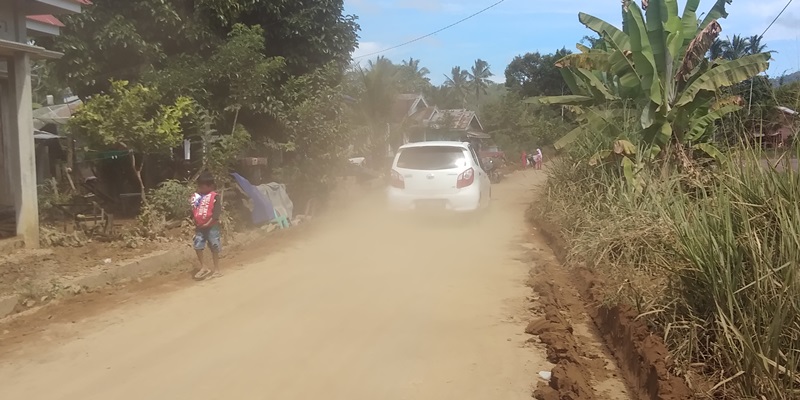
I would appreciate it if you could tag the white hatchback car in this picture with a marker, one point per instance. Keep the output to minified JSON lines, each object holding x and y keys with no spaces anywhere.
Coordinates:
{"x":444,"y":176}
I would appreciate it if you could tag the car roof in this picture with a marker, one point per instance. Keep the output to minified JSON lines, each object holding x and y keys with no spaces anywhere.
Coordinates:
{"x":452,"y":143}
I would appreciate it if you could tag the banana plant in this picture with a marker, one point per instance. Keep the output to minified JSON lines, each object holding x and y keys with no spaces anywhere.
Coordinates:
{"x":657,"y":62}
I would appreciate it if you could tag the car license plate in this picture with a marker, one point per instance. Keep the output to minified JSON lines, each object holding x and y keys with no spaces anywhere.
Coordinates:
{"x":430,"y":204}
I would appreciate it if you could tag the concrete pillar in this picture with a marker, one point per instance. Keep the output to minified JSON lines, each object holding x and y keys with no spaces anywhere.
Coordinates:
{"x":6,"y":196}
{"x":21,"y":151}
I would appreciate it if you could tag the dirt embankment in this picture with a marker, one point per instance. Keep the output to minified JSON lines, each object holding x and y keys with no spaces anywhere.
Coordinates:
{"x":569,"y":295}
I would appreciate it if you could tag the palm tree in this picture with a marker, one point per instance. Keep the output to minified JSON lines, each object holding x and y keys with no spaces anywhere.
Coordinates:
{"x":378,"y":89}
{"x":413,"y":67}
{"x":754,"y":45}
{"x":414,"y":78}
{"x":736,"y":48}
{"x":378,"y":83}
{"x":458,"y":82}
{"x":717,"y":49}
{"x":479,"y":77}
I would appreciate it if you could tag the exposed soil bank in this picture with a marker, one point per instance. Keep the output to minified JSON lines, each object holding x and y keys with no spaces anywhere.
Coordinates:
{"x":642,"y":357}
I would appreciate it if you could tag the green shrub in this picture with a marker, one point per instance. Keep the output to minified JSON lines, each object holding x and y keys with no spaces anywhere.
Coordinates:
{"x":171,"y":199}
{"x":712,"y":269}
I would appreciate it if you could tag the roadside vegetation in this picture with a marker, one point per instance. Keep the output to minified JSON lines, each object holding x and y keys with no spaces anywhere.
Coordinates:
{"x":663,"y":190}
{"x":660,"y":186}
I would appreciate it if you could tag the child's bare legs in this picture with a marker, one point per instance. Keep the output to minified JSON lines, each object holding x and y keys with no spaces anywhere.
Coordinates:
{"x":215,"y":245}
{"x":199,"y":244}
{"x":215,"y":257}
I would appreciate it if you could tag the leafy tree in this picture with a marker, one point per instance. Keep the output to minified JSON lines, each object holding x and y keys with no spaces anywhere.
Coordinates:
{"x":458,"y":84}
{"x":516,"y":126}
{"x":132,"y":118}
{"x":207,"y":49}
{"x":658,"y":63}
{"x":479,"y":76}
{"x":535,"y":74}
{"x":374,"y":88}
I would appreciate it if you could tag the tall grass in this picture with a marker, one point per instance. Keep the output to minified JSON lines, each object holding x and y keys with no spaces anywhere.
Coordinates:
{"x":714,"y":269}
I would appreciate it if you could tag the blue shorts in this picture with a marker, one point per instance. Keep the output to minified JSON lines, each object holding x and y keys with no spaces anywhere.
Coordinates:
{"x":211,"y":236}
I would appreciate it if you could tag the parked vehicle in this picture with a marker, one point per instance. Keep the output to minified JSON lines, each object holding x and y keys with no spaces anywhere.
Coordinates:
{"x":445,"y":176}
{"x":492,"y":167}
{"x":492,"y":152}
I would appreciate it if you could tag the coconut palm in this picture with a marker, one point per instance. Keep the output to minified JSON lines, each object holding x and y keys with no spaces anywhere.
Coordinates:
{"x":458,"y":83}
{"x":412,"y":77}
{"x":717,"y":49}
{"x":479,"y":77}
{"x":736,"y":48}
{"x":413,"y":67}
{"x":754,"y":45}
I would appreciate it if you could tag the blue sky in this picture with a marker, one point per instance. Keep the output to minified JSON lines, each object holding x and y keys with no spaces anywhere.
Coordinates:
{"x":519,"y":26}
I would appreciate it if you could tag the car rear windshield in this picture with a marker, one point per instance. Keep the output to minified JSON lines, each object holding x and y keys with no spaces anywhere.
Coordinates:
{"x":431,"y":158}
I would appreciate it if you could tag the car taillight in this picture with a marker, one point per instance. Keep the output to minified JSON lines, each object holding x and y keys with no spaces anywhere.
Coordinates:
{"x":465,"y":178}
{"x":397,"y":180}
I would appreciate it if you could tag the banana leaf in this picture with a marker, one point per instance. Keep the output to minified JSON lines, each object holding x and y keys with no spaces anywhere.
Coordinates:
{"x":598,"y":88}
{"x":643,"y":54}
{"x":569,"y":138}
{"x":593,"y":59}
{"x":602,"y":27}
{"x":717,"y":12}
{"x":560,"y":100}
{"x":711,"y":150}
{"x":699,"y":126}
{"x":726,"y":74}
{"x":689,"y":21}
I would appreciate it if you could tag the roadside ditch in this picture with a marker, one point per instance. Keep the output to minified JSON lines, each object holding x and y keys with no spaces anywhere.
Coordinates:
{"x":572,"y":314}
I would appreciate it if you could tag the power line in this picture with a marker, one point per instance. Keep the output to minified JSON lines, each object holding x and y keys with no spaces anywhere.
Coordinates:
{"x":432,"y":33}
{"x":776,"y":18}
{"x":750,"y":102}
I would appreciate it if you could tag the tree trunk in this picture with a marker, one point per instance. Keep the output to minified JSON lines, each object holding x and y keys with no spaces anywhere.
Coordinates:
{"x":137,"y":171}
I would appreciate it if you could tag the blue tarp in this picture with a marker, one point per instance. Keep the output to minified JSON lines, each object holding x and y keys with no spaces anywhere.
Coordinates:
{"x":262,"y":211}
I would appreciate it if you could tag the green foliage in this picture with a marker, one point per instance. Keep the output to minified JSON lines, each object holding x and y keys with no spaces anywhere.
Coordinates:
{"x":657,"y":64}
{"x":226,"y":55}
{"x":130,"y":117}
{"x":516,"y":126}
{"x":235,"y":76}
{"x":535,"y":74}
{"x":133,"y":118}
{"x":49,"y":195}
{"x":171,"y":199}
{"x":478,"y":77}
{"x":413,"y":78}
{"x":458,"y":84}
{"x":709,"y":270}
{"x":317,"y":137}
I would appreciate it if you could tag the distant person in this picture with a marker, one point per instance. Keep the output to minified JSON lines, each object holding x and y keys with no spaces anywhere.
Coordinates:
{"x":524,"y":160}
{"x":206,"y":212}
{"x":538,"y":158}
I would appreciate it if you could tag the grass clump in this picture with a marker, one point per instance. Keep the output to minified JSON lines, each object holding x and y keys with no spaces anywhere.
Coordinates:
{"x":712,"y":268}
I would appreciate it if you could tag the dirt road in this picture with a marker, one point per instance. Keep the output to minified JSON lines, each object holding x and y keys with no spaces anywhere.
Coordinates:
{"x":365,"y":308}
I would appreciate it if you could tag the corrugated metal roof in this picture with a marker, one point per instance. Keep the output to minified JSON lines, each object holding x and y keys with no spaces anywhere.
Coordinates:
{"x":404,"y":105}
{"x":47,"y":19}
{"x":460,"y":119}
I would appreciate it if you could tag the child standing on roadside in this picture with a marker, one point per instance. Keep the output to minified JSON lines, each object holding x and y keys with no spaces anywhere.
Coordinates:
{"x":206,"y":211}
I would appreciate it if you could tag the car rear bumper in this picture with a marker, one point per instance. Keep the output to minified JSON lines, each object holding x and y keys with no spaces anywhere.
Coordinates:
{"x":466,"y":200}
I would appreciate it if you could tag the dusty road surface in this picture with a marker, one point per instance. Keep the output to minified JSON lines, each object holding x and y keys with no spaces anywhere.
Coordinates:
{"x":366,"y":307}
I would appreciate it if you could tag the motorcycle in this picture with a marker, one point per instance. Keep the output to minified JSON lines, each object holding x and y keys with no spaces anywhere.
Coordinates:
{"x":493,"y":170}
